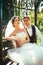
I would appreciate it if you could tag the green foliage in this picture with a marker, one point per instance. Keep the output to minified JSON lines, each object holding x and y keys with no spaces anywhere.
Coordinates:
{"x":32,"y":17}
{"x":40,"y":21}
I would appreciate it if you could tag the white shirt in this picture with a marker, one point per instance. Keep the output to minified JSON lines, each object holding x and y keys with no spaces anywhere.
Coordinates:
{"x":38,"y":33}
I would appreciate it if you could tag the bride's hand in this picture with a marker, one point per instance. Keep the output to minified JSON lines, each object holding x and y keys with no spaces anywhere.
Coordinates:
{"x":18,"y":43}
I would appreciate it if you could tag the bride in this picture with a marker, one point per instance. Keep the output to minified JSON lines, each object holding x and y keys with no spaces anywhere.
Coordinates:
{"x":25,"y":53}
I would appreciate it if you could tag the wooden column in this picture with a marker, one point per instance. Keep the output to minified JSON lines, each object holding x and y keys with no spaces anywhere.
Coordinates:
{"x":35,"y":13}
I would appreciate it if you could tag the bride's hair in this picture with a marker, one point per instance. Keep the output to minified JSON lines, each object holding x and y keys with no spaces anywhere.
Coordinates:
{"x":13,"y":18}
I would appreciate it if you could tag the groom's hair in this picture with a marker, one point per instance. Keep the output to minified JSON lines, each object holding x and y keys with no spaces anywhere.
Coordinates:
{"x":26,"y":17}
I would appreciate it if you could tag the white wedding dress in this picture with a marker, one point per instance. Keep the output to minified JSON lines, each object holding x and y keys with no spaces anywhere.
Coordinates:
{"x":28,"y":54}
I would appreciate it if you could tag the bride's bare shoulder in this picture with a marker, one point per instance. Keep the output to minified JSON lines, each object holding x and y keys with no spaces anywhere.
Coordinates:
{"x":23,"y":30}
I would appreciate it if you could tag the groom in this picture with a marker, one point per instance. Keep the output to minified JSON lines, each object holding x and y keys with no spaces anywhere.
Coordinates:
{"x":32,"y":30}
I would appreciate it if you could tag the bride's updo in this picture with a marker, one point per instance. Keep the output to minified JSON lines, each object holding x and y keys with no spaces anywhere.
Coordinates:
{"x":13,"y":19}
